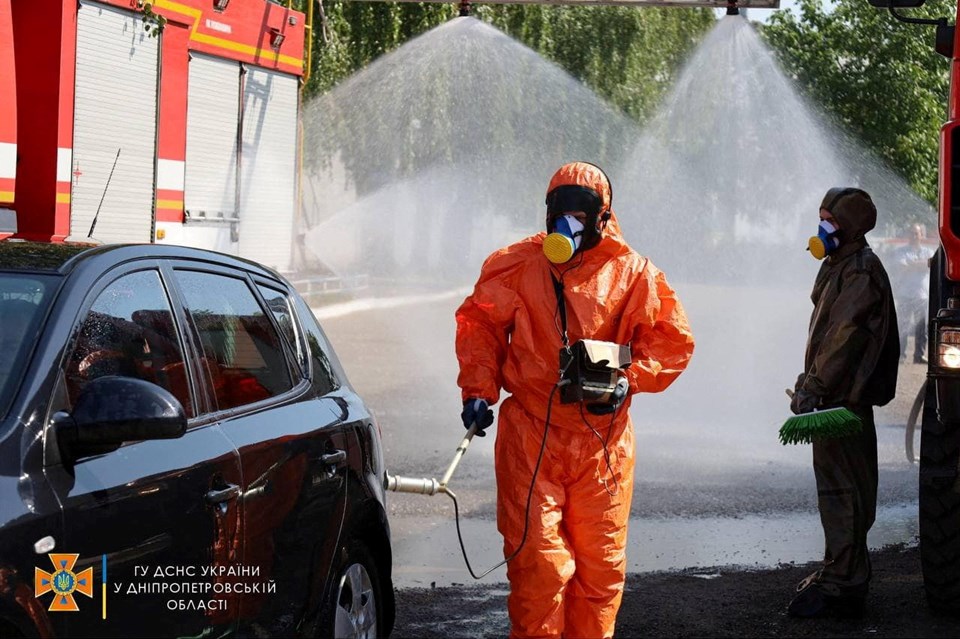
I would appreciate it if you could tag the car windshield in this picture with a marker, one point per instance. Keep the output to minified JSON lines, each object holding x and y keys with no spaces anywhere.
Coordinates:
{"x":23,"y":299}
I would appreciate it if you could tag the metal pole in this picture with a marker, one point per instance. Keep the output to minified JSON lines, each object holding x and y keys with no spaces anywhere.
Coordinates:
{"x":431,"y":486}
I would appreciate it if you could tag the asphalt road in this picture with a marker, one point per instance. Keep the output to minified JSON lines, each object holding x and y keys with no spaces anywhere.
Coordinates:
{"x":719,"y":602}
{"x":713,"y":485}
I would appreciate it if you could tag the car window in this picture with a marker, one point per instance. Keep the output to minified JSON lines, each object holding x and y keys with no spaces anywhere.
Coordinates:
{"x":130,"y":331}
{"x":23,"y":299}
{"x":279,"y":304}
{"x":320,"y":351}
{"x":242,"y":350}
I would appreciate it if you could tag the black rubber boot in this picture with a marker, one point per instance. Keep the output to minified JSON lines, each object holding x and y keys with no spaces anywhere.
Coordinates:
{"x":812,"y":602}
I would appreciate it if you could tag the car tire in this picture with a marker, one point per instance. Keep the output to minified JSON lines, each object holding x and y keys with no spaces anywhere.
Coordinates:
{"x":939,"y":510}
{"x":354,"y":605}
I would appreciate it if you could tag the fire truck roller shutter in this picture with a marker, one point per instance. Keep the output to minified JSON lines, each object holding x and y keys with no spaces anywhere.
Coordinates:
{"x":213,"y":118}
{"x":268,"y":164}
{"x":115,"y":108}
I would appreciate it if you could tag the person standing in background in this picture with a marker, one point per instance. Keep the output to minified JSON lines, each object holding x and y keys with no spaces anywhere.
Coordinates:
{"x":913,"y":289}
{"x":850,"y":361}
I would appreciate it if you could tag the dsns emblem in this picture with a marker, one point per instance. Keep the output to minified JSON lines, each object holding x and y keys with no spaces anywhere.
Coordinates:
{"x":63,"y":582}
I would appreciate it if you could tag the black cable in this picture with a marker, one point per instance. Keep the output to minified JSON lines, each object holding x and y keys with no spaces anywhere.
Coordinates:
{"x":604,"y":441}
{"x":533,"y":480}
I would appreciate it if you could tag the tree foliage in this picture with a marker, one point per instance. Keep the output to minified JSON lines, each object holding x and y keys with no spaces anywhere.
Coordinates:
{"x":627,"y":55}
{"x":880,"y":79}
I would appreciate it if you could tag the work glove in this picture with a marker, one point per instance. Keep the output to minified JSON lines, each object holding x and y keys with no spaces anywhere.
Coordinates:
{"x":804,"y":401}
{"x":617,"y":397}
{"x":476,"y":411}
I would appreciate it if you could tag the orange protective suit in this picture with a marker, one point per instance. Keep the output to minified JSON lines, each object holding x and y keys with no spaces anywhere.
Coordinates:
{"x":568,"y":578}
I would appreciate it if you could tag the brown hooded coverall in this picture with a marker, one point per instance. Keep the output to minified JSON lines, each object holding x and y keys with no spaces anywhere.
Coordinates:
{"x":851,"y":360}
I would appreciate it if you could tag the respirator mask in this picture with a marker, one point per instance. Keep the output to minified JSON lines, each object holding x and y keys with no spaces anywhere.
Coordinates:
{"x":825,"y":241}
{"x":566,"y":234}
{"x":564,"y":239}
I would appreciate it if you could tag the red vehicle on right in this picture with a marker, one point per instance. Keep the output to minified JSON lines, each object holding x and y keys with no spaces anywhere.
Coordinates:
{"x":940,"y":436}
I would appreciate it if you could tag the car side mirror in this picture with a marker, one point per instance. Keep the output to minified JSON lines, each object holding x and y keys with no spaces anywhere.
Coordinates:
{"x":113,"y":410}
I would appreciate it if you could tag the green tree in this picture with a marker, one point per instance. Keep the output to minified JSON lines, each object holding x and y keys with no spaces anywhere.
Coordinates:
{"x":630,"y":56}
{"x":627,"y":55}
{"x":348,"y":35}
{"x":878,"y":78}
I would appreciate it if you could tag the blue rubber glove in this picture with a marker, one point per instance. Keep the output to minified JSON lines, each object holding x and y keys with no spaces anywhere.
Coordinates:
{"x":617,"y":397}
{"x":476,"y":411}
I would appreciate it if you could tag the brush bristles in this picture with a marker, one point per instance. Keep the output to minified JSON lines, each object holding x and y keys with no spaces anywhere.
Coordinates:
{"x":824,"y":424}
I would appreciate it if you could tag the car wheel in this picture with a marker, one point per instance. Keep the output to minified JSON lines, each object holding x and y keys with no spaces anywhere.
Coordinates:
{"x":354,"y":607}
{"x":939,"y":510}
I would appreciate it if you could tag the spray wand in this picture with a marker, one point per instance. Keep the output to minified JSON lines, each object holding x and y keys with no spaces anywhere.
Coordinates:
{"x":431,"y":486}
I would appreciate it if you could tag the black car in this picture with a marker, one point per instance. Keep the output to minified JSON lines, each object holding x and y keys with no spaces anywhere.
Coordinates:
{"x":181,"y":453}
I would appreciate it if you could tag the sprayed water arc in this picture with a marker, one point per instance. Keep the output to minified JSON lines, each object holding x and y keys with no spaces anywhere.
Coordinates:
{"x":721,"y":190}
{"x":436,"y":154}
{"x":414,"y":183}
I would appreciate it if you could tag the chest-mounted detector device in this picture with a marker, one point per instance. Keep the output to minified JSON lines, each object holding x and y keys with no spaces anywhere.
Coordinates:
{"x":590,"y":369}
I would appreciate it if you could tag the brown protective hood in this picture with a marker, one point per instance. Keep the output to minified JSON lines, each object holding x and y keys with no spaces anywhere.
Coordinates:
{"x":853,"y":209}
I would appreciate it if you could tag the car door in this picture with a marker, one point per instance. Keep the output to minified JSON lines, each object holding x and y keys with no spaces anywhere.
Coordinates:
{"x":293,"y":446}
{"x":157,"y":521}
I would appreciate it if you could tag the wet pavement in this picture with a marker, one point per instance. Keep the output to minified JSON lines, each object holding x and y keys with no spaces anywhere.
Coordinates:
{"x":719,"y":490}
{"x":427,"y":553}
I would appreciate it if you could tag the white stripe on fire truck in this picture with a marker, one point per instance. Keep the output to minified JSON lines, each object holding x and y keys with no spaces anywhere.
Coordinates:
{"x":8,"y":160}
{"x":64,"y":164}
{"x":170,"y":175}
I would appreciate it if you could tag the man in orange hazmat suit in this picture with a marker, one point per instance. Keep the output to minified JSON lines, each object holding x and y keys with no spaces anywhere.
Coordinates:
{"x":573,"y":462}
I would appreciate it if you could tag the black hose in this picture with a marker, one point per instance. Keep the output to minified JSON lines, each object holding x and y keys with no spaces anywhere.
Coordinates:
{"x":526,"y":516}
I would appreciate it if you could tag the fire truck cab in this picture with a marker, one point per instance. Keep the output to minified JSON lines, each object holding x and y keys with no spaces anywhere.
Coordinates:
{"x":165,"y":121}
{"x":940,"y":437}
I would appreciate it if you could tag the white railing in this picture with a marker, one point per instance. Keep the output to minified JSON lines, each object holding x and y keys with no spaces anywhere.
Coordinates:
{"x":312,"y":287}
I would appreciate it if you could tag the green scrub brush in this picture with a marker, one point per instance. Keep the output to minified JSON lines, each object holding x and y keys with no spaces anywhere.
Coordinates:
{"x":821,"y":424}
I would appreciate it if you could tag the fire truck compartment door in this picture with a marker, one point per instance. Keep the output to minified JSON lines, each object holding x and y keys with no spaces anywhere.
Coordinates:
{"x":213,"y":118}
{"x":268,"y":162}
{"x":115,"y":109}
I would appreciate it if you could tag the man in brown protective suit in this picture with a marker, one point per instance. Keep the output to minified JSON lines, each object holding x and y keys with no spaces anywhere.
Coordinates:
{"x":851,"y":360}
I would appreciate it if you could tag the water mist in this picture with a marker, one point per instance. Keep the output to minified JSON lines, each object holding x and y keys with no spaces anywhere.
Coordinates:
{"x":438,"y":153}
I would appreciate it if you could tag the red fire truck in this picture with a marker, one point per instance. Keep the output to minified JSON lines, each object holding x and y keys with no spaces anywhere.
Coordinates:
{"x":940,"y":436}
{"x":151,"y":120}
